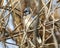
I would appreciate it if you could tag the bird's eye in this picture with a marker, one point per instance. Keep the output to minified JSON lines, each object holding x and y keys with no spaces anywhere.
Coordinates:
{"x":25,"y":11}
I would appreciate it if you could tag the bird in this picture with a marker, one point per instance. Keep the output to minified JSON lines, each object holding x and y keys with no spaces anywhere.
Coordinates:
{"x":29,"y":23}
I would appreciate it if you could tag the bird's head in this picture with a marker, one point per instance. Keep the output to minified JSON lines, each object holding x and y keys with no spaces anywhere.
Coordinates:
{"x":26,"y":11}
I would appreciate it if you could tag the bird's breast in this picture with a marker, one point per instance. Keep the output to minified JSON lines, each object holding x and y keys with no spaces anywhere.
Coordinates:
{"x":28,"y":21}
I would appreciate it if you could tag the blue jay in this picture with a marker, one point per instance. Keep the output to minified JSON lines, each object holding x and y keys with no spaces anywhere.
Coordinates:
{"x":28,"y":18}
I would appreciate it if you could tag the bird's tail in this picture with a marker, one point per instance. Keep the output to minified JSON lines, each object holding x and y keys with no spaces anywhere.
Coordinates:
{"x":39,"y":40}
